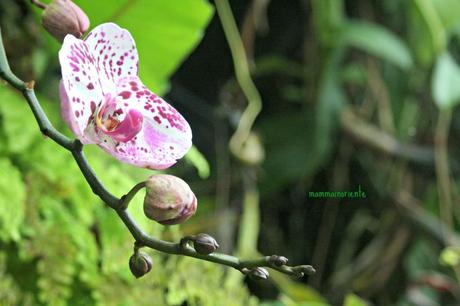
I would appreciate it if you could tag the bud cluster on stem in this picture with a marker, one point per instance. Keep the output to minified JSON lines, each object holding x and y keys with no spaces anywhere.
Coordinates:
{"x":169,"y":200}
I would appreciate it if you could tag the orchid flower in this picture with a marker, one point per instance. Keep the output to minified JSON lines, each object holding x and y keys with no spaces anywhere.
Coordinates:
{"x":105,"y":103}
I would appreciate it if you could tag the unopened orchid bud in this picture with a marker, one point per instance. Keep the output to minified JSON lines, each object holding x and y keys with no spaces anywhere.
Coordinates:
{"x":140,"y":264}
{"x":278,"y":260}
{"x":258,"y":274}
{"x":169,"y":200}
{"x":306,"y":269}
{"x":62,"y":17}
{"x":205,"y":244}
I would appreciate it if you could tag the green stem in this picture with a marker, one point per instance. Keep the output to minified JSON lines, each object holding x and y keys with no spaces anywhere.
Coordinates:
{"x":243,"y":76}
{"x":126,"y":199}
{"x":442,"y":166}
{"x":141,"y":238}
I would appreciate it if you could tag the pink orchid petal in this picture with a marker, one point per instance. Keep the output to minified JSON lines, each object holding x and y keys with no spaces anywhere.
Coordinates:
{"x":115,"y":52}
{"x":165,"y":136}
{"x":117,"y":121}
{"x":128,"y":128}
{"x":104,"y":102}
{"x":81,"y":90}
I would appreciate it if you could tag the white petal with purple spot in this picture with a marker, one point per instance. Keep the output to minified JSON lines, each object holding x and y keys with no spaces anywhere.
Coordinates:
{"x":104,"y":102}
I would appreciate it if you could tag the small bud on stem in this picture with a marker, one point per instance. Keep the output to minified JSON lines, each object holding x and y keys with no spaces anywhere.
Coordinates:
{"x":304,"y":269}
{"x":140,"y":264}
{"x":169,"y":200}
{"x":258,"y":274}
{"x":204,"y":244}
{"x":278,"y":260}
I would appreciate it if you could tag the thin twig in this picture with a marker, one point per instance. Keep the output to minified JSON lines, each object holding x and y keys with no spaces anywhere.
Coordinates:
{"x":442,"y":167}
{"x":381,"y":140}
{"x":443,"y":178}
{"x":119,"y":205}
{"x":411,"y":209}
{"x":380,"y":92}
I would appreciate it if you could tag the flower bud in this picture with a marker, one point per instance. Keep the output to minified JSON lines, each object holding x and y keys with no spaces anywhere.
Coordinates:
{"x":169,"y":200}
{"x":205,"y":244}
{"x":278,"y":260}
{"x":140,"y":264}
{"x":306,"y":269}
{"x":62,"y":17}
{"x":258,"y":274}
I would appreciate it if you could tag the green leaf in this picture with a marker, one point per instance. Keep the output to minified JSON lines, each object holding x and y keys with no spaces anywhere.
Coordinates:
{"x":434,"y":23}
{"x":445,"y":82}
{"x":12,"y":201}
{"x":328,"y":16}
{"x":199,"y":162}
{"x":377,"y":41}
{"x":354,"y":300}
{"x":419,"y":38}
{"x":164,"y":31}
{"x":449,"y":12}
{"x":422,"y":256}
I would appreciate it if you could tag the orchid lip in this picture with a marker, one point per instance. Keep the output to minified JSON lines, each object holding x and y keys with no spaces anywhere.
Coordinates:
{"x":116,"y":122}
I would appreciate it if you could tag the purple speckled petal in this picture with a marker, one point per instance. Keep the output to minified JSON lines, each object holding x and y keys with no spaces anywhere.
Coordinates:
{"x":115,"y":52}
{"x":165,"y":136}
{"x":104,"y":102}
{"x":80,"y":90}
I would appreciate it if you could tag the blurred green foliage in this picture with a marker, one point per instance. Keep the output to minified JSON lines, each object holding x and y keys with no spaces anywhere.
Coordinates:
{"x":353,"y":94}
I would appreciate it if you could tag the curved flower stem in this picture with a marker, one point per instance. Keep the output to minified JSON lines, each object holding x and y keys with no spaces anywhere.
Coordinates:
{"x":120,"y":205}
{"x":243,"y":76}
{"x":124,"y":201}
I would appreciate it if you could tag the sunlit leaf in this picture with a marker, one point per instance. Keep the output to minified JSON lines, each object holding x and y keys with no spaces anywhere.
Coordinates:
{"x":445,"y":82}
{"x":164,"y":31}
{"x":449,"y":12}
{"x":434,"y":23}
